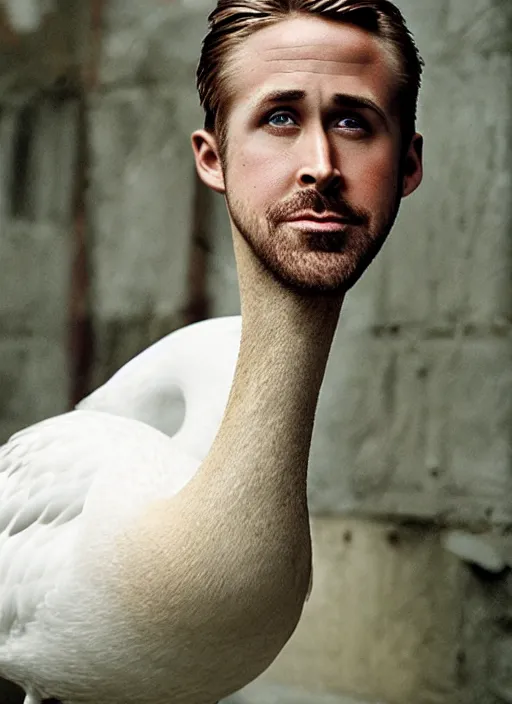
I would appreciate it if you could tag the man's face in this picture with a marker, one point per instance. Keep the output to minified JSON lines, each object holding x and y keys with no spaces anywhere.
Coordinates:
{"x":312,"y":174}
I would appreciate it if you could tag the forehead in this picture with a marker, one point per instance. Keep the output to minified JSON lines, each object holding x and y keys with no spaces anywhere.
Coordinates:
{"x":315,"y":54}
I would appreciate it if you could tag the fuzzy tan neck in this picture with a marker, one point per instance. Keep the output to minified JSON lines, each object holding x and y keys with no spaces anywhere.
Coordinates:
{"x":286,"y":338}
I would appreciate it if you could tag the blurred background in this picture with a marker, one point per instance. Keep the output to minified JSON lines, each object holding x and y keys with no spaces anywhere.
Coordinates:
{"x":108,"y":242}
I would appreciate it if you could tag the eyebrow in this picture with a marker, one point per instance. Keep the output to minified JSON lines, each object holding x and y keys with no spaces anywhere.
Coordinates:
{"x":340,"y":99}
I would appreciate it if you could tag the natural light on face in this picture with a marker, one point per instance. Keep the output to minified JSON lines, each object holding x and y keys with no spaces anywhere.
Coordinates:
{"x":312,"y":128}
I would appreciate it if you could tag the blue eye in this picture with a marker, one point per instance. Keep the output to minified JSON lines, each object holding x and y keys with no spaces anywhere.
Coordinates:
{"x":280,"y":119}
{"x":353,"y":123}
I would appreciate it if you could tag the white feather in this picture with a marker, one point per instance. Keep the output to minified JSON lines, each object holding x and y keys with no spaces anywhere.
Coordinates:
{"x":68,"y":486}
{"x":192,"y":367}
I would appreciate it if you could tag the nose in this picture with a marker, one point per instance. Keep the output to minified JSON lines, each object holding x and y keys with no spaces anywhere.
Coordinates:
{"x":318,"y":168}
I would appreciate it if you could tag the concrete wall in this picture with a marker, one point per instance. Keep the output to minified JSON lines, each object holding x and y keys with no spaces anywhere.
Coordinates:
{"x":412,"y":439}
{"x":143,"y":185}
{"x":39,"y":118}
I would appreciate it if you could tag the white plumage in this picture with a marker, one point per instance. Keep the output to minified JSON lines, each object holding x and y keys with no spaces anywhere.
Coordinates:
{"x":179,"y":385}
{"x":69,"y":486}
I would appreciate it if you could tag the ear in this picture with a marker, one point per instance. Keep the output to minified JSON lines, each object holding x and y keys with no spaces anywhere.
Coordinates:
{"x":413,"y":166}
{"x":207,"y":158}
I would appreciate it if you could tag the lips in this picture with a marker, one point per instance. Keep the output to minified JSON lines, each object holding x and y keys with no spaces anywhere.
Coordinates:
{"x":324,"y":218}
{"x":313,"y":222}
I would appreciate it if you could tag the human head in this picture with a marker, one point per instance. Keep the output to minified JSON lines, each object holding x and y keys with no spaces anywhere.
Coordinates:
{"x":314,"y":130}
{"x":233,"y":21}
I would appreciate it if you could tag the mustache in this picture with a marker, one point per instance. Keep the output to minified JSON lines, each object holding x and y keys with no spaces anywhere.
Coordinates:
{"x":311,"y":199}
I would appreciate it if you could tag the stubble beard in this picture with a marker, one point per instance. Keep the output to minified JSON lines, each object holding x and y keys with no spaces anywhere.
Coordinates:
{"x":312,"y":262}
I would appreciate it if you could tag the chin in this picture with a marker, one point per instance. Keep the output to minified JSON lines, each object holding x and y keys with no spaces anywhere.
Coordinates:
{"x":333,"y":281}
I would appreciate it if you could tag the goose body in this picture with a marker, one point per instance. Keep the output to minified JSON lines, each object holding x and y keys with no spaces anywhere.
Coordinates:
{"x":70,"y":629}
{"x":69,"y":486}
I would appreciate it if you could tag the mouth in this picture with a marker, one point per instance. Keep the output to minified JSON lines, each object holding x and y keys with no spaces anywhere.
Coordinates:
{"x":326,"y":222}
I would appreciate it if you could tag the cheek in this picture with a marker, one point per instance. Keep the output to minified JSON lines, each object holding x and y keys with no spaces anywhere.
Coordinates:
{"x":370,"y":174}
{"x":260,"y":176}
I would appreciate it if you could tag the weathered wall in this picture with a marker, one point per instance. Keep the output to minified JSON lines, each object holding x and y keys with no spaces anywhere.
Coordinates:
{"x":143,"y":185}
{"x":39,"y":118}
{"x":414,"y":416}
